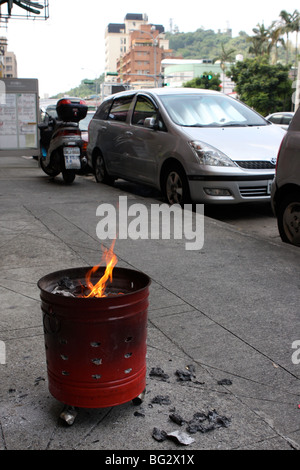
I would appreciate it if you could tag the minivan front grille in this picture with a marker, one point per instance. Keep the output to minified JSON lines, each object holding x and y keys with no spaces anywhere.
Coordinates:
{"x":254,"y":191}
{"x":255,"y":165}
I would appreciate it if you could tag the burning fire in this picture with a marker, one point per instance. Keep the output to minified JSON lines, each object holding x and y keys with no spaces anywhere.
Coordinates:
{"x":98,"y":290}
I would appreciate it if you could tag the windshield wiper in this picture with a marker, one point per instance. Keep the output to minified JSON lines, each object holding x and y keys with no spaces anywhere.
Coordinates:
{"x":235,"y":124}
{"x":255,"y":125}
{"x":193,"y":125}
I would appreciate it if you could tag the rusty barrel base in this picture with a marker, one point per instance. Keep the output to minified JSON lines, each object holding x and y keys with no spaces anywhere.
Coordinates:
{"x":100,"y":396}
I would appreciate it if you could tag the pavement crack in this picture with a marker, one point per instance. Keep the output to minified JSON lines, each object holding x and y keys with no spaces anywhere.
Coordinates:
{"x":70,"y":247}
{"x":194,"y":307}
{"x":19,"y":293}
{"x":209,"y":368}
{"x":89,"y":433}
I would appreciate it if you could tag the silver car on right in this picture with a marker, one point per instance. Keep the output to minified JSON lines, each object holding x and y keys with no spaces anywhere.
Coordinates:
{"x":285,"y":193}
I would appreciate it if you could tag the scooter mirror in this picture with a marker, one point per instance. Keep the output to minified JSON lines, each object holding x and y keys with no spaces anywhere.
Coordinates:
{"x":43,"y":125}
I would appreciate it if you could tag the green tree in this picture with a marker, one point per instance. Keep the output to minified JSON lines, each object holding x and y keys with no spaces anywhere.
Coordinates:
{"x":86,"y":88}
{"x":226,"y":55}
{"x":276,"y":38}
{"x":296,"y":29}
{"x":264,"y":87}
{"x":261,"y":43}
{"x":290,"y":24}
{"x":207,"y":80}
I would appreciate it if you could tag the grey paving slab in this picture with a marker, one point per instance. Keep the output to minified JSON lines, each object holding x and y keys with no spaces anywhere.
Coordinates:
{"x":230,"y":309}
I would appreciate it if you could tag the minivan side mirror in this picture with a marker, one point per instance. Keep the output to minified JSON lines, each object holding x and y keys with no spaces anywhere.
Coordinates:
{"x":151,"y":123}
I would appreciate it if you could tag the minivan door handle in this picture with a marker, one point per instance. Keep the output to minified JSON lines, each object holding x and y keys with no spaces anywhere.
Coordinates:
{"x":129,"y":133}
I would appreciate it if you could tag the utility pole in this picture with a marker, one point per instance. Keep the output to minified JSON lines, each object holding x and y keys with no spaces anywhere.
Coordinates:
{"x":296,"y":95}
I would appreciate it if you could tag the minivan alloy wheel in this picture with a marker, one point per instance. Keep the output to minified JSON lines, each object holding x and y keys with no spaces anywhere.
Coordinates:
{"x":176,"y":186}
{"x":100,"y":171}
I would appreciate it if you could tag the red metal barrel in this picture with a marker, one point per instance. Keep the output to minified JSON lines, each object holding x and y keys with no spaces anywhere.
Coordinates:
{"x":96,"y":347}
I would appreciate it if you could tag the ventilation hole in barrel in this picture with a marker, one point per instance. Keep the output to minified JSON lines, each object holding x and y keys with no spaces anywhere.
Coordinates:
{"x":127,"y":371}
{"x":97,"y":361}
{"x":95,"y":344}
{"x":64,"y":372}
{"x":65,"y":358}
{"x":128,"y":339}
{"x":127,"y":355}
{"x":96,"y":376}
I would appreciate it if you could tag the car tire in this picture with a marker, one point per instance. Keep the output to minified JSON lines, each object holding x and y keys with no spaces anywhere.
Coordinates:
{"x":288,"y":219}
{"x":100,"y":172}
{"x":175,"y":186}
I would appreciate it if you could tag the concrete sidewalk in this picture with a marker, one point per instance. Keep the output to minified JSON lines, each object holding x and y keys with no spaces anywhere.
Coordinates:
{"x":231,"y":310}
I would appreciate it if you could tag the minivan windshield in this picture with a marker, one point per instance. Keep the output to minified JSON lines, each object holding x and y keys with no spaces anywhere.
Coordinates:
{"x":197,"y":110}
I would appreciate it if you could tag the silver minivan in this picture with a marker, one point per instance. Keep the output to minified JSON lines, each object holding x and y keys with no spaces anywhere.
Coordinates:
{"x":194,"y":145}
{"x":286,"y":185}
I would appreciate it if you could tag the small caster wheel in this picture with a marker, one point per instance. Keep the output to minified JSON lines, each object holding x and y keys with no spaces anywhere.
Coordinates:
{"x":69,"y":414}
{"x":139,"y":399}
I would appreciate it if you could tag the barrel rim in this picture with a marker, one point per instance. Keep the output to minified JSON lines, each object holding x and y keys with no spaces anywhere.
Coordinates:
{"x":117,"y":273}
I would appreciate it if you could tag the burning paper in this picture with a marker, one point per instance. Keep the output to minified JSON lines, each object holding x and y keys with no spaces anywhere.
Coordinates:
{"x":98,"y":290}
{"x":74,"y":288}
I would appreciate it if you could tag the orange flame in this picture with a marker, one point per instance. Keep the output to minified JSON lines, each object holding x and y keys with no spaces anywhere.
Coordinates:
{"x":98,"y":290}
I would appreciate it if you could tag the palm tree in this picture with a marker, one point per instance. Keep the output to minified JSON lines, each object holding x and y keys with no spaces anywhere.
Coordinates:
{"x":288,"y":27}
{"x":225,"y":56}
{"x":276,"y":37}
{"x":296,"y":29}
{"x":261,"y":43}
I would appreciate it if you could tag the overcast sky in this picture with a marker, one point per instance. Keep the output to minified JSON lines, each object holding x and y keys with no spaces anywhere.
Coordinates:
{"x":69,"y":46}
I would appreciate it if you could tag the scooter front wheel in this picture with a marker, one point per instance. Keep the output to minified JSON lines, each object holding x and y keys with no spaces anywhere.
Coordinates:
{"x":46,"y":170}
{"x":68,"y":176}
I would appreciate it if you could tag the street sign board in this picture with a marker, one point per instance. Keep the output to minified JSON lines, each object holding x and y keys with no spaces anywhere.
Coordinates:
{"x":19,"y":115}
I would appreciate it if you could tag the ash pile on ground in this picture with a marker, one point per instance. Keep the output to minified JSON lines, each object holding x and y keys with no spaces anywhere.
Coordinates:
{"x":201,"y":421}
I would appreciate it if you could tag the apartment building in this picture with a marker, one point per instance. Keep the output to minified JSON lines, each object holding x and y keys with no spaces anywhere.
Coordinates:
{"x":8,"y":61}
{"x":134,"y":50}
{"x":140,"y":66}
{"x":117,"y":39}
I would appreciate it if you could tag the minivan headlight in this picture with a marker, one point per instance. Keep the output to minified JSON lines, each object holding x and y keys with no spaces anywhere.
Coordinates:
{"x":208,"y":155}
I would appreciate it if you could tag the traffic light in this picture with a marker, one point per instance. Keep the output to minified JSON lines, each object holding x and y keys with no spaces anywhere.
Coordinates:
{"x":207,"y":76}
